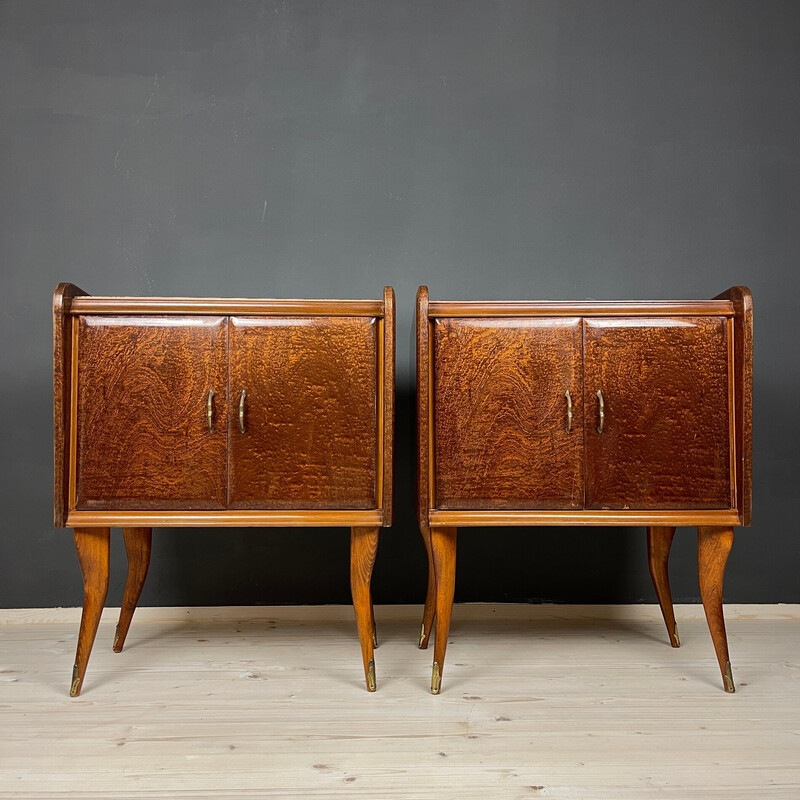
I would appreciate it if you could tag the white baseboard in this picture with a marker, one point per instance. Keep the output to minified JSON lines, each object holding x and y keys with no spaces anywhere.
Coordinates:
{"x":342,"y":613}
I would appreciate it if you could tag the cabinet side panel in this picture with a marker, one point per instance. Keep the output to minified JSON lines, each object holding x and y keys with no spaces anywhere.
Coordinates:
{"x":144,"y":439}
{"x":503,"y":393}
{"x":742,"y":301}
{"x":387,"y":478}
{"x":62,"y":366}
{"x":423,"y":403}
{"x":309,"y":414}
{"x":663,"y":386}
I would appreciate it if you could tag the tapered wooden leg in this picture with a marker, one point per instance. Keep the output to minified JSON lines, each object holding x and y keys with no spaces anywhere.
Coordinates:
{"x":429,"y":613}
{"x":713,"y":547}
{"x":92,"y":545}
{"x":138,"y":542}
{"x":372,"y":618}
{"x":659,"y":542}
{"x":363,"y":547}
{"x":443,"y":545}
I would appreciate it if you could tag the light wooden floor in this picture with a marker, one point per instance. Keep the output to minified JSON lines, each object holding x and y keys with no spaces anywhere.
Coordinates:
{"x":536,"y":702}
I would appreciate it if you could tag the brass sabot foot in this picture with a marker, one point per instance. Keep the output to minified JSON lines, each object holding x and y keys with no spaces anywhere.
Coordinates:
{"x":116,"y":646}
{"x":436,"y":678}
{"x":422,"y":636}
{"x":371,"y":684}
{"x":728,"y":678}
{"x":676,"y":640}
{"x":75,"y":687}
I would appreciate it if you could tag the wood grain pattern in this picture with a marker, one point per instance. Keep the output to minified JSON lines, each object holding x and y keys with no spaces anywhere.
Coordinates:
{"x":500,"y":415}
{"x":742,"y":300}
{"x":311,"y":406}
{"x":63,"y":298}
{"x":138,"y":545}
{"x":659,"y":542}
{"x":443,"y":544}
{"x":429,"y":611}
{"x":143,"y":440}
{"x":92,"y":546}
{"x":698,"y":516}
{"x":438,"y":309}
{"x":665,"y":442}
{"x":239,"y":518}
{"x":387,"y":438}
{"x":423,"y":411}
{"x":423,"y":385}
{"x":713,"y":548}
{"x":222,"y":307}
{"x":363,"y":549}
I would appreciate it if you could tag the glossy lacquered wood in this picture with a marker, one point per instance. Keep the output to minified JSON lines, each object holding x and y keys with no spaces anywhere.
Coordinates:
{"x":143,"y":439}
{"x":138,"y":546}
{"x":663,"y":419}
{"x":363,"y":549}
{"x":63,"y":299}
{"x":659,"y":543}
{"x":665,"y":441}
{"x":199,"y":412}
{"x":742,"y":301}
{"x":314,"y":518}
{"x":307,"y":437}
{"x":508,"y":413}
{"x":216,"y":306}
{"x":93,"y":547}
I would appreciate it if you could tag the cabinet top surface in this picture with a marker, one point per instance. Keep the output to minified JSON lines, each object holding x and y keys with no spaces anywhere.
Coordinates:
{"x":544,"y":308}
{"x":214,"y":305}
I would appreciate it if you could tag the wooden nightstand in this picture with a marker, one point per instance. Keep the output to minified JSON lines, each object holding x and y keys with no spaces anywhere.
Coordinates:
{"x":592,"y":413}
{"x":188,"y":412}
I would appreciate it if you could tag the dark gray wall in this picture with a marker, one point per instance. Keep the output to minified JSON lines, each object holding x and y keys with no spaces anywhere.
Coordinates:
{"x":553,"y":150}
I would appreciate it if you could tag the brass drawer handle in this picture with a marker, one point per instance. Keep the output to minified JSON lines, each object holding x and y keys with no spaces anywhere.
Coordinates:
{"x":210,"y":410}
{"x":241,"y":410}
{"x":602,"y":410}
{"x":569,"y":411}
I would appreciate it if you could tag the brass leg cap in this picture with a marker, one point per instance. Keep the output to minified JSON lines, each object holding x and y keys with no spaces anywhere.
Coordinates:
{"x":422,"y":636}
{"x":371,"y":684}
{"x":728,"y":678}
{"x":436,"y":679}
{"x":75,"y":686}
{"x":676,"y":640}
{"x":116,"y":647}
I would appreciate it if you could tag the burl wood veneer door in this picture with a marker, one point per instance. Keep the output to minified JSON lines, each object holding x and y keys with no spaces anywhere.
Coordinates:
{"x":666,"y":433}
{"x":508,"y":413}
{"x":304,"y":435}
{"x":144,"y":438}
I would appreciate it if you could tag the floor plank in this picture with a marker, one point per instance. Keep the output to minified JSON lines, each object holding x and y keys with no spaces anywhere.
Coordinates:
{"x":271,"y":703}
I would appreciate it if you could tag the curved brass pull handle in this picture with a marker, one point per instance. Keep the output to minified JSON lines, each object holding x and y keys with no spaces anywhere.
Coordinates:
{"x":602,"y":410}
{"x":569,"y":411}
{"x":210,"y":410}
{"x":241,"y":410}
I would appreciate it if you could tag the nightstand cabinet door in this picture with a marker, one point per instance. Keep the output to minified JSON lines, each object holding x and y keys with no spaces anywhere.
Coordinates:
{"x":144,"y":440}
{"x":504,"y":390}
{"x":666,"y":431}
{"x":303,"y":435}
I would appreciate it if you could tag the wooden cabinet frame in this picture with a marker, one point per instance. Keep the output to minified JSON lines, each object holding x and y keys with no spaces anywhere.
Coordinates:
{"x":91,"y":527}
{"x":715,"y":525}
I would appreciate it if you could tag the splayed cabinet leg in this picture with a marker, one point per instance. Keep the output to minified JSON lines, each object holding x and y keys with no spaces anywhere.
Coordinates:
{"x":429,"y":613}
{"x":92,"y":545}
{"x":138,"y":543}
{"x":659,"y":542}
{"x":363,"y":548}
{"x":713,"y":547}
{"x":443,"y":545}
